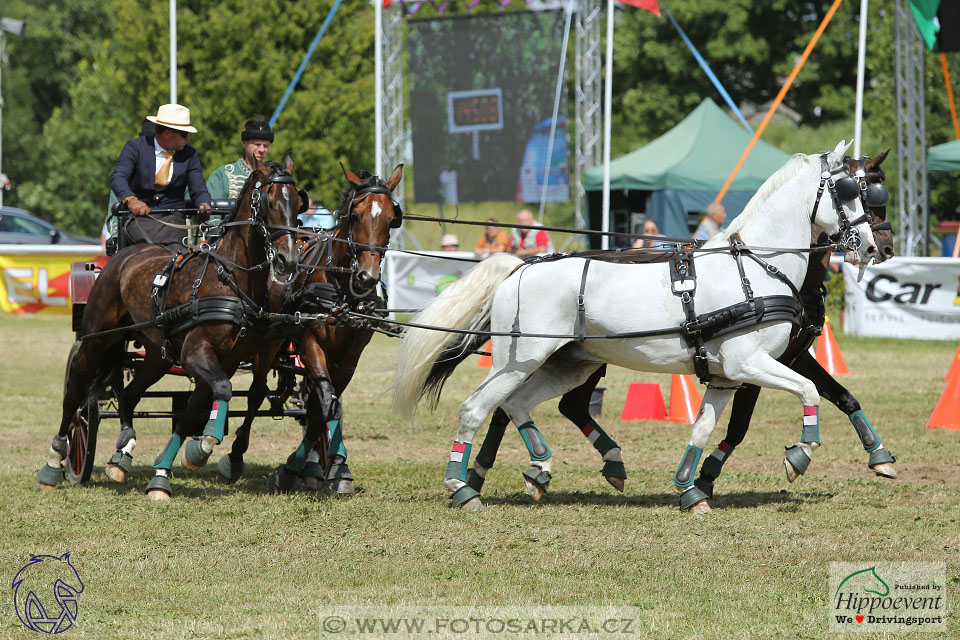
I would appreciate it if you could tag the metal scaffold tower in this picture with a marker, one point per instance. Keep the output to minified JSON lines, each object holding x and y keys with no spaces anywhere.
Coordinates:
{"x":392,"y":124}
{"x":914,"y":233}
{"x":588,"y":121}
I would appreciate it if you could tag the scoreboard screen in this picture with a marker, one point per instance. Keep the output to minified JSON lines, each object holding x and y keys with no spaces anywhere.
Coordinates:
{"x":476,"y":110}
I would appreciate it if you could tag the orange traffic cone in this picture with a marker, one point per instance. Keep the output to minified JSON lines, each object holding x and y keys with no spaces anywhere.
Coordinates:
{"x":486,"y":362}
{"x":828,"y":353}
{"x":644,"y":402}
{"x":947,"y":412}
{"x":685,"y":400}
{"x":954,"y":366}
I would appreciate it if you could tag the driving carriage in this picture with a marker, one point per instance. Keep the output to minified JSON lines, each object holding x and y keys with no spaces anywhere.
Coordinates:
{"x":285,"y":394}
{"x":270,"y":285}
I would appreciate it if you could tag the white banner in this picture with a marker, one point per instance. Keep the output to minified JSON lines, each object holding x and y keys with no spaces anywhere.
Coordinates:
{"x":915,"y":298}
{"x":415,"y":280}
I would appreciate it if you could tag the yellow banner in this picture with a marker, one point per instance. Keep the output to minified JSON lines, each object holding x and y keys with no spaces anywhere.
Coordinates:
{"x":37,"y":283}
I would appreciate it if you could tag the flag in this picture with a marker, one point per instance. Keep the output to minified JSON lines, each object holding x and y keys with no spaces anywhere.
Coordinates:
{"x":649,"y":5}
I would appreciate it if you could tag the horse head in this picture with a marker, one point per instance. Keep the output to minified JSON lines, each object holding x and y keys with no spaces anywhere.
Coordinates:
{"x":839,"y":210}
{"x":874,"y":195}
{"x":367,"y":214}
{"x":272,"y":201}
{"x":41,"y":582}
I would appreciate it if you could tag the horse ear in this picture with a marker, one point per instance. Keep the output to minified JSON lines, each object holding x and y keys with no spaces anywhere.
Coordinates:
{"x":836,"y":157}
{"x":874,"y":163}
{"x":288,"y":163}
{"x":351,"y":176}
{"x":395,"y":177}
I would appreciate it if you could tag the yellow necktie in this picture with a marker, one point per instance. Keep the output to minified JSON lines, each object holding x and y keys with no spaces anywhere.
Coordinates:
{"x":164,"y":173}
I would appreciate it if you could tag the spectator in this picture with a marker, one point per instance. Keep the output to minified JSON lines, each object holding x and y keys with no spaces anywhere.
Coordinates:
{"x":450,"y":242}
{"x":316,"y":216}
{"x":155,"y":171}
{"x":650,"y":229}
{"x":529,"y":242}
{"x":711,"y":223}
{"x":494,"y":240}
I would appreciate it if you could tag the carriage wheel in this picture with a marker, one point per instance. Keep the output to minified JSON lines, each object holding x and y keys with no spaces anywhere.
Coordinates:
{"x":83,"y":441}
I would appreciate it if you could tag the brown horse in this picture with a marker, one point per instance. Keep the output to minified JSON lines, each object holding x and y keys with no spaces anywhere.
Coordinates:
{"x":203,"y":307}
{"x":337,"y":273}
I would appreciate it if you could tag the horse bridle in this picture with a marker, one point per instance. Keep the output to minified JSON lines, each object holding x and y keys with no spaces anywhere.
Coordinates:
{"x":355,"y":248}
{"x":846,"y":189}
{"x":259,"y":205}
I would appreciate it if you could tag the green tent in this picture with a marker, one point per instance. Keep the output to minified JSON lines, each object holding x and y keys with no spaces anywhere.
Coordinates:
{"x":684,"y":169}
{"x":944,"y":157}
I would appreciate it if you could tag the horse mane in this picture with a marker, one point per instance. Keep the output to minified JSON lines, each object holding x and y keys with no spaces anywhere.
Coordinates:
{"x":797,"y":163}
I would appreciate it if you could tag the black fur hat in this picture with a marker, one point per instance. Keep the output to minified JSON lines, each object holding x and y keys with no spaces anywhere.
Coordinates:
{"x":256,"y":129}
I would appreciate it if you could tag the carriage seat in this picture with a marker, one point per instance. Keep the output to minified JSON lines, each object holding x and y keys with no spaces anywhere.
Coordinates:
{"x":119,"y":214}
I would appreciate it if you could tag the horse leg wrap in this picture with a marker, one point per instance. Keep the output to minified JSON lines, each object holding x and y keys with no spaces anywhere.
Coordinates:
{"x":475,"y":478}
{"x":169,"y":453}
{"x":811,"y":425}
{"x":796,"y":456}
{"x":692,"y":496}
{"x":123,"y":457}
{"x":683,"y":478}
{"x":536,"y":445}
{"x":456,"y":473}
{"x":298,"y":458}
{"x":160,"y":481}
{"x":282,"y":480}
{"x":312,"y":467}
{"x":614,"y":469}
{"x":230,"y":469}
{"x":713,"y":464}
{"x":198,"y":451}
{"x":339,"y":469}
{"x":538,"y":476}
{"x":868,"y":437}
{"x":488,"y":453}
{"x":336,"y":439}
{"x":51,"y":473}
{"x":463,"y":495}
{"x":879,"y":456}
{"x":598,"y":437}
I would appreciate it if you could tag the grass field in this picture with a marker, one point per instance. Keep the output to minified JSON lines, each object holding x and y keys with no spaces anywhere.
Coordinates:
{"x":233,"y":562}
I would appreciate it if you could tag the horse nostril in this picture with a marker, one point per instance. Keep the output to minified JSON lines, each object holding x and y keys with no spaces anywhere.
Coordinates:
{"x":872,"y":249}
{"x":888,"y":251}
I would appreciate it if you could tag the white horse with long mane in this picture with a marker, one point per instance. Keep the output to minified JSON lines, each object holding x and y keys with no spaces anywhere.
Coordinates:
{"x":535,"y":313}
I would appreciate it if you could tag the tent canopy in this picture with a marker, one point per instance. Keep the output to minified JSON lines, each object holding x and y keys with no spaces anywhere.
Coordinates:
{"x":944,"y":157}
{"x":687,"y":166}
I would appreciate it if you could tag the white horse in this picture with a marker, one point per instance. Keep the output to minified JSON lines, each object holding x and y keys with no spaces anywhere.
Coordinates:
{"x":535,"y":312}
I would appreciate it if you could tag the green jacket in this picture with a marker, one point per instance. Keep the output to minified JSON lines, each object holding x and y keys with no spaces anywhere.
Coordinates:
{"x":226,"y":181}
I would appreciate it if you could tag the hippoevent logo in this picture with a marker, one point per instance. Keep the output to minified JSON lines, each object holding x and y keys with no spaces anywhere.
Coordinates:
{"x":888,"y":596}
{"x":45,"y":593}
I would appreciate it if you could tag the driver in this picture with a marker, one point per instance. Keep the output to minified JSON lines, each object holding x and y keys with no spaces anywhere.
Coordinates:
{"x":153,"y":172}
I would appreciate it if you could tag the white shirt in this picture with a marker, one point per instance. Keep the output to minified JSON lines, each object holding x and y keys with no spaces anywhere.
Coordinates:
{"x":158,"y":152}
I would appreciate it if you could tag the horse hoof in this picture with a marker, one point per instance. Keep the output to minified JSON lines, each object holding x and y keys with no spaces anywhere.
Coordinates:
{"x":536,"y":481}
{"x":43,"y":486}
{"x":194,"y":456}
{"x":535,"y":490}
{"x":228,"y":470}
{"x":792,"y":473}
{"x":473,"y":504}
{"x":616,"y":483}
{"x":116,"y":473}
{"x":700,"y":507}
{"x":885,"y":470}
{"x":158,"y":495}
{"x":342,"y":488}
{"x":311,"y":483}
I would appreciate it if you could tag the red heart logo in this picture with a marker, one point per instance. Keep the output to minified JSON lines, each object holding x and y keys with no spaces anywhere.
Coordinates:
{"x":859,"y":618}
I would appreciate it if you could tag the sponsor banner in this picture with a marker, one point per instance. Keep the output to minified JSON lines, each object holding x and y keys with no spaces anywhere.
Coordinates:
{"x":36,"y":279}
{"x":915,"y":298}
{"x":415,"y":280}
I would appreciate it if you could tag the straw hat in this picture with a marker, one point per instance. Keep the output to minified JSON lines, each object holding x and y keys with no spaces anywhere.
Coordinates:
{"x":449,"y":239}
{"x":173,"y":116}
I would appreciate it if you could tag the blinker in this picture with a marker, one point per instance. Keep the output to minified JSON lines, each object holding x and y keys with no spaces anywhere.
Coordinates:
{"x":877,"y":195}
{"x":847,"y":189}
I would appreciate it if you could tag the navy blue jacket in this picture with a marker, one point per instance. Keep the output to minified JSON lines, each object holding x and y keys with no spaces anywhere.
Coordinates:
{"x":135,"y":174}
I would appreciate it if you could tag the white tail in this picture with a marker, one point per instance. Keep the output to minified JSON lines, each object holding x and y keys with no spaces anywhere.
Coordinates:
{"x":465,"y":304}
